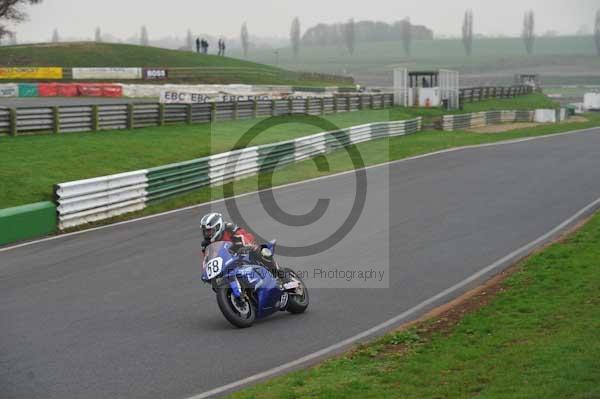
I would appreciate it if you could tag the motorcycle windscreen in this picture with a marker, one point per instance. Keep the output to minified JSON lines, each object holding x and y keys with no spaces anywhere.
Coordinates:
{"x":215,"y":257}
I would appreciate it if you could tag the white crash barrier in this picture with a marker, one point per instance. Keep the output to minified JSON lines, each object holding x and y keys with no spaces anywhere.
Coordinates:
{"x":591,"y":101}
{"x":154,"y":91}
{"x":85,"y":201}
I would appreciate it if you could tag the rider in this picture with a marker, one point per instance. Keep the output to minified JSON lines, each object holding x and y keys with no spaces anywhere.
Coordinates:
{"x":215,"y":229}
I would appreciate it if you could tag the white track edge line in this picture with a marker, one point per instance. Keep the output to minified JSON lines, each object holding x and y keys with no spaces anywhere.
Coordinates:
{"x":510,"y":258}
{"x":429,"y":154}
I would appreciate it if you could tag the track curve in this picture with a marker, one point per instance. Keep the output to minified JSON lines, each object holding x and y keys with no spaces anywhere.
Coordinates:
{"x":120,"y":311}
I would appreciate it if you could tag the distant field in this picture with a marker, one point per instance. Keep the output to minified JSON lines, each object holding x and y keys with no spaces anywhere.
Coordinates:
{"x":560,"y":60}
{"x":212,"y":68}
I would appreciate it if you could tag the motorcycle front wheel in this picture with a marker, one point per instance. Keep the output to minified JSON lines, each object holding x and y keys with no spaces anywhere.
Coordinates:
{"x":298,"y":301}
{"x":238,"y":311}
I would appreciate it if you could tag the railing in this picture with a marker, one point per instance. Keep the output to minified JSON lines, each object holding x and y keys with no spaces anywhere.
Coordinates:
{"x":476,"y":94}
{"x":481,"y":119}
{"x":81,"y":118}
{"x":85,"y":201}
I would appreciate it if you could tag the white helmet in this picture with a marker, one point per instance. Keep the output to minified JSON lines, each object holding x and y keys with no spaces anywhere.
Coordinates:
{"x":212,"y":226}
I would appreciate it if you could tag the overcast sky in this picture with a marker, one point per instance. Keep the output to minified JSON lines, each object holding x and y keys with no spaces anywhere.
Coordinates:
{"x":123,"y":18}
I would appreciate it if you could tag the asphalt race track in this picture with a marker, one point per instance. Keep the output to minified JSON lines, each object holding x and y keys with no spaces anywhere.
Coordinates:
{"x":120,"y":312}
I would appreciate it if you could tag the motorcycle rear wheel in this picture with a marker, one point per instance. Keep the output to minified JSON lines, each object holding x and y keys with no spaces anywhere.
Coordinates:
{"x":297,"y":303}
{"x":239,"y":312}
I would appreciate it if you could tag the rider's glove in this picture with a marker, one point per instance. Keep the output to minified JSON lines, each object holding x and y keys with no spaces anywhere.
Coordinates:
{"x":205,"y":243}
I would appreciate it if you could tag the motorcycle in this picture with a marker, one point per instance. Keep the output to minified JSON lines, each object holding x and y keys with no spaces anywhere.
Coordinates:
{"x":247,"y":291}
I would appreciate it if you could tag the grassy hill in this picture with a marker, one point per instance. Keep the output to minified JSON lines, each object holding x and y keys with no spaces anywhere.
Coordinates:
{"x":560,"y":60}
{"x":209,"y":68}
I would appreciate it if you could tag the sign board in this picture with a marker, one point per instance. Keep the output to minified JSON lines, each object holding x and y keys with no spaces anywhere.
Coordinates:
{"x":187,"y":97}
{"x":9,"y":90}
{"x":107,"y":73}
{"x":31,"y":73}
{"x":155,"y":74}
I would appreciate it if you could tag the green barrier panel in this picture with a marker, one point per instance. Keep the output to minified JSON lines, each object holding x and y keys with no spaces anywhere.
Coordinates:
{"x":28,"y":90}
{"x":27,"y":221}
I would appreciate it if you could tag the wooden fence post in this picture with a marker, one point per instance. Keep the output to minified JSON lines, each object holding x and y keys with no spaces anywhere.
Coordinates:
{"x":95,"y":118}
{"x":188,"y":114}
{"x":55,"y":119}
{"x":13,"y":122}
{"x":213,"y":111}
{"x":371,"y":102}
{"x":255,"y":108}
{"x":235,"y":109}
{"x":130,"y":121}
{"x":273,"y":107}
{"x":161,"y":114}
{"x":307,"y":106}
{"x":322,"y":106}
{"x":290,"y":106}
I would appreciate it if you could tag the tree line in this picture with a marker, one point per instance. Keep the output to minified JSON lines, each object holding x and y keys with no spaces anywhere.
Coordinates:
{"x":346,"y":34}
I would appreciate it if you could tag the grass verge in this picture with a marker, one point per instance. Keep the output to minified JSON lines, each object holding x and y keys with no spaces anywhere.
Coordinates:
{"x":31,"y":165}
{"x":533,"y":334}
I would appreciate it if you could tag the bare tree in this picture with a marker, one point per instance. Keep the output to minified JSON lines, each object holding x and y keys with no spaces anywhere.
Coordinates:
{"x":244,"y":39}
{"x":597,"y":31}
{"x":349,"y":33}
{"x":189,"y":41}
{"x":529,"y":31}
{"x":55,"y":36}
{"x":467,"y":32}
{"x":407,"y":36}
{"x":295,"y":36}
{"x":98,"y":35}
{"x":12,"y":11}
{"x":144,"y":41}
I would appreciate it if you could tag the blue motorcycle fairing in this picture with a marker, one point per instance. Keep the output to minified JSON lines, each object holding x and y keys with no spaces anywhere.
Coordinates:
{"x":239,"y":272}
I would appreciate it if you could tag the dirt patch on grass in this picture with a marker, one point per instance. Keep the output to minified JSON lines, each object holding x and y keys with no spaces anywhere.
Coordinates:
{"x":503,"y":127}
{"x":576,"y":119}
{"x":506,"y":127}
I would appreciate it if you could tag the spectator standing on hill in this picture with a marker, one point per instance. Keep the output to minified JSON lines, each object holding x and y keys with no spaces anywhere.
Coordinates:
{"x":223,"y":47}
{"x":198,"y":45}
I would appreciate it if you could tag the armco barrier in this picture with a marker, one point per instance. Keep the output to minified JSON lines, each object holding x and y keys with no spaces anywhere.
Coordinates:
{"x":85,"y":201}
{"x":27,"y":222}
{"x":128,"y":116}
{"x":480,"y":119}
